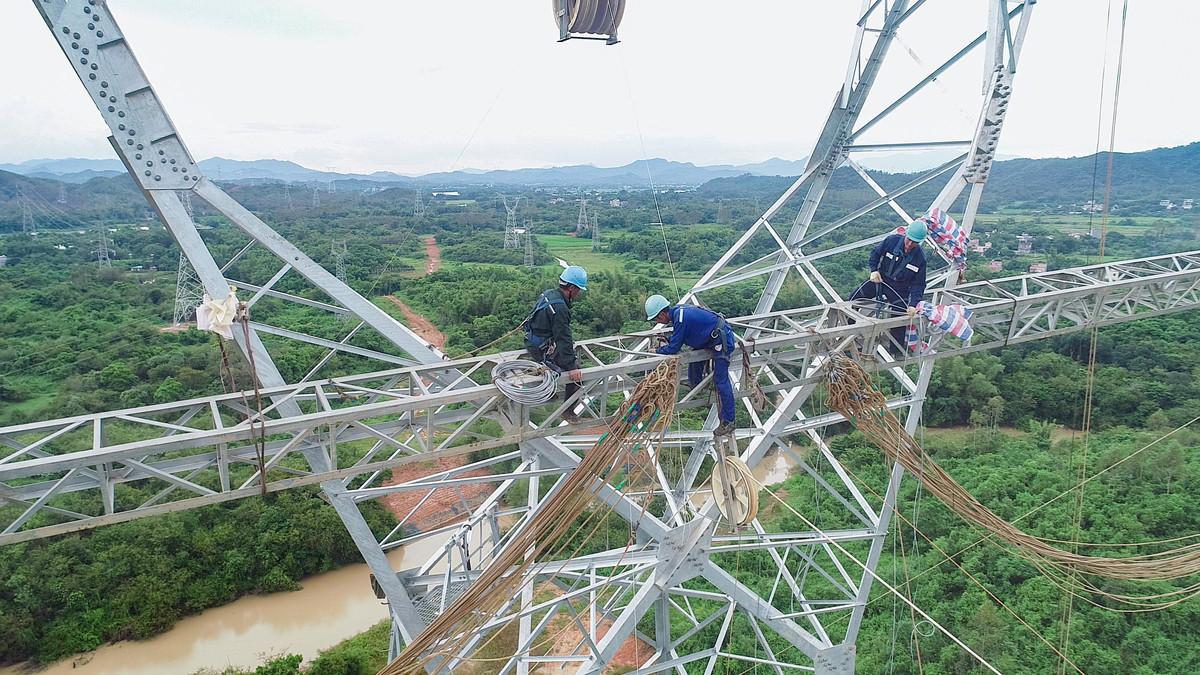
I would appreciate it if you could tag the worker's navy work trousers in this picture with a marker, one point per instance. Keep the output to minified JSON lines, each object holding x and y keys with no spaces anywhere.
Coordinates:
{"x":890,"y":295}
{"x":720,"y":370}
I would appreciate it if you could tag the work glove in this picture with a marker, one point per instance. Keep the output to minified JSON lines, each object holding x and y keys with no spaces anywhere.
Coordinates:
{"x":912,"y":311}
{"x":875,"y":277}
{"x":575,"y":376}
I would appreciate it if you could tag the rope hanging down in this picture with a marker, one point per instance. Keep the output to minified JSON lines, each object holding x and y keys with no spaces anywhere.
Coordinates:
{"x":852,"y":394}
{"x":542,"y":544}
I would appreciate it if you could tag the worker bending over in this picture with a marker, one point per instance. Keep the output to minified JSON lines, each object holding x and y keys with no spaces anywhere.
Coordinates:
{"x":699,"y":328}
{"x":548,"y":338}
{"x":897,"y":274}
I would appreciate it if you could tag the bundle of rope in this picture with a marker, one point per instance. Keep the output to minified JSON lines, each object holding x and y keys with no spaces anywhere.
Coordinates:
{"x":852,"y":394}
{"x":598,"y":17}
{"x":525,"y":382}
{"x":620,"y":457}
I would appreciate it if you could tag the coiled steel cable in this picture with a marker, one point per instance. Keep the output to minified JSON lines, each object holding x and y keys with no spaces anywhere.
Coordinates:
{"x":525,"y":382}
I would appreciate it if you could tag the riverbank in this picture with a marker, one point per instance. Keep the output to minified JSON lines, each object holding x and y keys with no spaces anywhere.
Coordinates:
{"x":328,"y":609}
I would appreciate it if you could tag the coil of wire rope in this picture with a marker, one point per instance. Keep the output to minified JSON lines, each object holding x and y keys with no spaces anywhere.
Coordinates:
{"x":525,"y":382}
{"x":598,"y":17}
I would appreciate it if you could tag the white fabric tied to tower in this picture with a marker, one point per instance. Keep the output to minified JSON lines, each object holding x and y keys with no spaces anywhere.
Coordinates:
{"x":218,"y":316}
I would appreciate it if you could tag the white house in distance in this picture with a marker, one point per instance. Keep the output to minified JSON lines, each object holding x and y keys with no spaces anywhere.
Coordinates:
{"x":1037,"y":268}
{"x":1024,"y":243}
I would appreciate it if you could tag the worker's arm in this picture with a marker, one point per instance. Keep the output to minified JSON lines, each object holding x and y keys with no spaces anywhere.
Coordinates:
{"x":564,"y":342}
{"x":876,"y":254}
{"x":676,"y":342}
{"x":917,"y":290}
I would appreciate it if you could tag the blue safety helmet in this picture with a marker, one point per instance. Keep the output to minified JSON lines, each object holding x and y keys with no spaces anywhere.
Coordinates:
{"x":574,"y":275}
{"x":654,"y":305}
{"x":916,"y":231}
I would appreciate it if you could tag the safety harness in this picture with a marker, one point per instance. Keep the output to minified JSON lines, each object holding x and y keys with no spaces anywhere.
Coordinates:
{"x":545,"y":345}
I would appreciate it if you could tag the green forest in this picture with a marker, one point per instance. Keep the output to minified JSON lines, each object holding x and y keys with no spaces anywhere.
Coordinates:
{"x":75,"y":338}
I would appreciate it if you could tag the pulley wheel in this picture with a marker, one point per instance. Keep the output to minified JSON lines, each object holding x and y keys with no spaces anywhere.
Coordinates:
{"x":744,"y":491}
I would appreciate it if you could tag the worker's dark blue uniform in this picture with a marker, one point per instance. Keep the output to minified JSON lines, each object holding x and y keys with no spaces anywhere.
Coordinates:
{"x":700,"y":328}
{"x":903,"y":276}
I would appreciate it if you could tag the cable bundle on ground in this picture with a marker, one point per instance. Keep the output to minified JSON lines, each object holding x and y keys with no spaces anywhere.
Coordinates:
{"x":852,"y":394}
{"x":621,"y":457}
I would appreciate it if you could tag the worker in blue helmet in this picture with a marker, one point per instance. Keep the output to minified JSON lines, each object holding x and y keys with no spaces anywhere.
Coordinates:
{"x":548,"y":336}
{"x":897,"y":274}
{"x":699,"y":328}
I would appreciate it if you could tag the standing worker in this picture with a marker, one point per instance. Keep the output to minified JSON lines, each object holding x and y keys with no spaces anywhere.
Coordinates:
{"x":548,"y":338}
{"x":699,"y":328}
{"x":897,"y":274}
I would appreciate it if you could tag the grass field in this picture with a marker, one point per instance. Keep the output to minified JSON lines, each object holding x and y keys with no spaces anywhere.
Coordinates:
{"x":1079,"y":223}
{"x":578,"y":251}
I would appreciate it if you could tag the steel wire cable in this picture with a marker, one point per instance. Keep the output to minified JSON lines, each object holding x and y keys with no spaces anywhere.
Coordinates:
{"x":525,"y":382}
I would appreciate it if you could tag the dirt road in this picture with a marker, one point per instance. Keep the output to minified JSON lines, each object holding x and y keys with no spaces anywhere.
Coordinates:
{"x":433,"y":255}
{"x":419,"y":324}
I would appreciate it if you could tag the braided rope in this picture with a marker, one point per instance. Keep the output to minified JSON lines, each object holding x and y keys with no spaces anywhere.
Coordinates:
{"x":544,"y":543}
{"x":852,"y":394}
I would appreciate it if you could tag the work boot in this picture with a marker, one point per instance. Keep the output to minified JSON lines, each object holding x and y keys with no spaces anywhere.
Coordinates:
{"x":571,"y":418}
{"x":724,"y":429}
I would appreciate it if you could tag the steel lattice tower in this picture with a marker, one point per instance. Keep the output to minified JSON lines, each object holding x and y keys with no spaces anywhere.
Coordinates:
{"x":418,"y":205}
{"x":338,"y":250}
{"x":103,"y":261}
{"x":581,"y":224}
{"x":28,"y":224}
{"x":528,"y":237}
{"x":512,"y":238}
{"x":316,"y":198}
{"x":188,"y":292}
{"x":680,"y":564}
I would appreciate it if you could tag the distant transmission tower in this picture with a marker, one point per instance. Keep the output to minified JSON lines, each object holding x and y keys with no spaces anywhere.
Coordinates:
{"x":62,"y":193}
{"x":28,"y":224}
{"x":595,"y":233}
{"x":188,"y":292}
{"x":103,"y":260}
{"x":287,"y":196}
{"x":528,"y":243}
{"x":581,"y":225}
{"x":316,"y":197}
{"x":512,"y":238}
{"x":722,"y":212}
{"x":419,"y":207}
{"x":338,"y":249}
{"x":185,"y":196}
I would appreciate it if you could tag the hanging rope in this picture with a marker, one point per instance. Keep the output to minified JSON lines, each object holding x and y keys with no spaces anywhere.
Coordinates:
{"x":852,"y":394}
{"x":642,"y":420}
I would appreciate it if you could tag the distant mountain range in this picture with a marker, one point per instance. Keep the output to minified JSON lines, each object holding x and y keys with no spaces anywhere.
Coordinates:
{"x":634,"y":174}
{"x":1162,"y":173}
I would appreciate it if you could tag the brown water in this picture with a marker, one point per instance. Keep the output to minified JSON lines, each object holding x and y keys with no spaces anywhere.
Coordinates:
{"x":328,"y":609}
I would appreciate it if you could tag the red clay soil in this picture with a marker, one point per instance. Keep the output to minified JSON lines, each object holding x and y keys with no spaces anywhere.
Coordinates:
{"x":446,"y":504}
{"x":419,"y":324}
{"x":433,"y":255}
{"x":567,"y":636}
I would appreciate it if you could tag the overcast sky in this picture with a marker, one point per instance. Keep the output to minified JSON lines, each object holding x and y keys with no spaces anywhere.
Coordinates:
{"x":433,"y":85}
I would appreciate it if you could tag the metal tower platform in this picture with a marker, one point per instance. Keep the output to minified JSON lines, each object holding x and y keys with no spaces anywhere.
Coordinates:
{"x":345,"y":434}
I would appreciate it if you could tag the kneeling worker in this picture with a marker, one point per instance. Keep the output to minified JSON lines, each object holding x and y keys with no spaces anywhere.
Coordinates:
{"x":897,"y":274}
{"x":699,"y":328}
{"x":548,"y":336}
